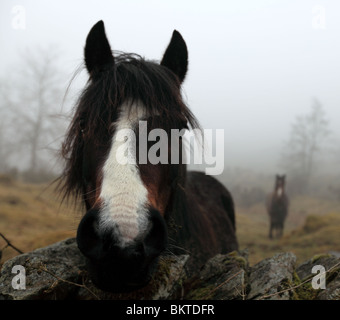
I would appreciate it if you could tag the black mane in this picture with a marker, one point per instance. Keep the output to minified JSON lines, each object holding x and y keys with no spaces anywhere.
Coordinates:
{"x":130,"y":79}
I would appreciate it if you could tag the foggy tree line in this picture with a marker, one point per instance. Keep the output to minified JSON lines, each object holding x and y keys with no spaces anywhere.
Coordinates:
{"x":309,"y":149}
{"x":31,"y":99}
{"x":310,"y":158}
{"x":308,"y":141}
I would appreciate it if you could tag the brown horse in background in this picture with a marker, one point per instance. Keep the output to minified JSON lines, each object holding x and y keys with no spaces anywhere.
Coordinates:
{"x":277,"y":207}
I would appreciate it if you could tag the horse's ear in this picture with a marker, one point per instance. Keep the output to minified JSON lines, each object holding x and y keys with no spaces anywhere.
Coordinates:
{"x":97,"y":49}
{"x":175,"y":57}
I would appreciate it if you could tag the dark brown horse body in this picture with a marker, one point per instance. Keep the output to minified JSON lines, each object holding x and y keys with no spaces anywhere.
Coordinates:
{"x":137,"y":209}
{"x":207,"y":224}
{"x":277,"y":207}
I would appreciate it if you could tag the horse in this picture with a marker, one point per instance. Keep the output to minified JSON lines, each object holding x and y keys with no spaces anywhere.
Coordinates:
{"x":277,"y":207}
{"x":138,"y":211}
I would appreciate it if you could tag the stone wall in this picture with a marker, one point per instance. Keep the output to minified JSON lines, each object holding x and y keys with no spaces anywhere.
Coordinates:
{"x":58,"y":272}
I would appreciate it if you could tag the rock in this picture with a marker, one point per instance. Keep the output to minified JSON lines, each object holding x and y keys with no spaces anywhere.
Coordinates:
{"x":44,"y":268}
{"x":223,"y":277}
{"x":332,"y":291}
{"x":270,"y":277}
{"x":59,"y":272}
{"x":335,"y":253}
{"x":331,"y":265}
{"x":304,"y":270}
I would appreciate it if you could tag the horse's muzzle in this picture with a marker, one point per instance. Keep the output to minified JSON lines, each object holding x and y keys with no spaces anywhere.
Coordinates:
{"x":117,"y":268}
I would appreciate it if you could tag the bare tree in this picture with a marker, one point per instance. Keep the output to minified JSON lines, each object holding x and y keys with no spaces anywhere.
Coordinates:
{"x":301,"y":153}
{"x":4,"y":146}
{"x":30,"y":101}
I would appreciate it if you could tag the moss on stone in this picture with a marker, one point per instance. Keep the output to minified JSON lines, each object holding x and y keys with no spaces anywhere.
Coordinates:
{"x":332,"y":274}
{"x":302,"y":290}
{"x":235,"y":258}
{"x":163,"y":269}
{"x":320,"y":256}
{"x":204,"y":293}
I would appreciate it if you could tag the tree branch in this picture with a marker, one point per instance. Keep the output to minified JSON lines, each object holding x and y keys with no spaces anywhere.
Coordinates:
{"x":9,"y":244}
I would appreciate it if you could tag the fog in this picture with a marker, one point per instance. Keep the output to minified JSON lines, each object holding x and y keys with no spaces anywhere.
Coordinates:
{"x":254,"y":66}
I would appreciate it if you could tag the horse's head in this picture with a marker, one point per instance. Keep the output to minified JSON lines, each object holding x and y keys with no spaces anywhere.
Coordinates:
{"x":109,"y":149}
{"x":280,"y":181}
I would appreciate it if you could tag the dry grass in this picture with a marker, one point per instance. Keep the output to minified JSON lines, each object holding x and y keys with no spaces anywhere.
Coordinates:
{"x":32,"y":216}
{"x":312,"y":228}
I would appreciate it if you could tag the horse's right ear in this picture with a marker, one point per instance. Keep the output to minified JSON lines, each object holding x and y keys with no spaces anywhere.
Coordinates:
{"x":97,"y":49}
{"x":175,"y":57}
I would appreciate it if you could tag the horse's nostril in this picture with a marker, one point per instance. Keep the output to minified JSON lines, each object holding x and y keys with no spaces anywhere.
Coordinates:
{"x":140,"y":249}
{"x":133,"y":253}
{"x":156,"y":239}
{"x":90,"y":243}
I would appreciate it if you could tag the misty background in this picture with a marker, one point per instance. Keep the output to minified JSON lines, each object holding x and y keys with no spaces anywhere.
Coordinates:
{"x":267,"y":72}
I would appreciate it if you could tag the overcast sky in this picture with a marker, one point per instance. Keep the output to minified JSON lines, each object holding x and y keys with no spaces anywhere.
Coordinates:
{"x":254,"y":65}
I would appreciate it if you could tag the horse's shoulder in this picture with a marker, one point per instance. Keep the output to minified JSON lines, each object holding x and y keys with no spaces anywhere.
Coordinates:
{"x":212,"y":193}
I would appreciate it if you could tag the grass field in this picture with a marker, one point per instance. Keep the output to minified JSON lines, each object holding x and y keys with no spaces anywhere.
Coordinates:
{"x":312,"y":227}
{"x":32,"y":216}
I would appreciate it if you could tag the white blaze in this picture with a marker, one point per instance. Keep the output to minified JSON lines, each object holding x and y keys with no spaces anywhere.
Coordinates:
{"x":123,"y":194}
{"x":279,"y":192}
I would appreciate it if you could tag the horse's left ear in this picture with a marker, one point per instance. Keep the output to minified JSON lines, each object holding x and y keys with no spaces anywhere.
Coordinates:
{"x":175,"y":57}
{"x":97,"y":49}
